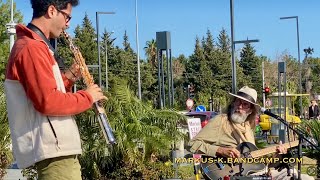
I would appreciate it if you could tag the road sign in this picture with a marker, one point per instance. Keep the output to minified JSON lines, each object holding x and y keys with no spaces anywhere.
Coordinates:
{"x":189,"y":104}
{"x":194,"y":126}
{"x":200,"y":108}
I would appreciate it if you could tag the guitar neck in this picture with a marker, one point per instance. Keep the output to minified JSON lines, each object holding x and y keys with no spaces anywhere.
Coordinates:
{"x":272,"y":149}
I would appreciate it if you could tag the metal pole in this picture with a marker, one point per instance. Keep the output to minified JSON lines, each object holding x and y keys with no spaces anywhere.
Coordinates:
{"x":98,"y":43}
{"x":172,"y":87}
{"x":11,"y":28}
{"x":106,"y":49}
{"x":11,"y":35}
{"x":162,"y":74}
{"x":211,"y":104}
{"x":279,"y":99}
{"x":168,"y":79}
{"x":138,"y":59}
{"x":159,"y":78}
{"x":188,"y":91}
{"x":233,"y":62}
{"x":300,"y":83}
{"x":279,"y":93}
{"x":282,"y":135}
{"x":263,"y":94}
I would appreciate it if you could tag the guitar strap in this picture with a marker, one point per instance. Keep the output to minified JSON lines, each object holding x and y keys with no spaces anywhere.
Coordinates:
{"x":58,"y":59}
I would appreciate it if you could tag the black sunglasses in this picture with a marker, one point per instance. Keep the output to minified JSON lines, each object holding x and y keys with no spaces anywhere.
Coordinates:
{"x":67,"y":16}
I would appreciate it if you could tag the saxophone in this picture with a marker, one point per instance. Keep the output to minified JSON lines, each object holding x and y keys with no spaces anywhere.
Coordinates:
{"x":88,"y":81}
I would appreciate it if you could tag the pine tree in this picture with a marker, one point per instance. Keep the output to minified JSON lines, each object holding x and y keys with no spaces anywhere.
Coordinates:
{"x":85,"y":39}
{"x":126,"y":43}
{"x":193,"y":66}
{"x":251,"y":66}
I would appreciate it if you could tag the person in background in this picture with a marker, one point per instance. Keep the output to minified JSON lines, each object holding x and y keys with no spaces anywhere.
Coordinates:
{"x":40,"y":103}
{"x":313,"y":110}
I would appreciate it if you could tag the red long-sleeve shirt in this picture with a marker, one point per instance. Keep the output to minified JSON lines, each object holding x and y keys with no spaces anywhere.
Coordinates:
{"x":31,"y":63}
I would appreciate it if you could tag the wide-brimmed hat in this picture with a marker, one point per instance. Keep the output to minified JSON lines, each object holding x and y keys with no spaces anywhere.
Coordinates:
{"x":247,"y":94}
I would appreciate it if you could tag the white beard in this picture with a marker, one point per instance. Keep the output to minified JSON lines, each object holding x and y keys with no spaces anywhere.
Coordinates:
{"x":238,"y":118}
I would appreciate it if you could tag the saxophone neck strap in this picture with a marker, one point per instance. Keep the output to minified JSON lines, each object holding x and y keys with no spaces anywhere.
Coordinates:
{"x":58,"y":59}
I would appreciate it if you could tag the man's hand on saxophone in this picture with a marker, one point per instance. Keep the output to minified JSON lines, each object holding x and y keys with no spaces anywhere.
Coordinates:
{"x":96,"y":93}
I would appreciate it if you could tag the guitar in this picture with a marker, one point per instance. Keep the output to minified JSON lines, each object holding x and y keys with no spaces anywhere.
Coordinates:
{"x":218,"y":167}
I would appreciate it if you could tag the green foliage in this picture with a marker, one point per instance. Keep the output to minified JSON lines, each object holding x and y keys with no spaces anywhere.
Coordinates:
{"x":311,"y":128}
{"x":251,"y":67}
{"x":30,"y":173}
{"x":209,"y":69}
{"x":260,"y":143}
{"x":140,"y":132}
{"x":85,"y":39}
{"x":149,"y":85}
{"x":126,"y":43}
{"x":5,"y":9}
{"x":5,"y":141}
{"x":313,"y":74}
{"x":186,"y":172}
{"x":151,"y":53}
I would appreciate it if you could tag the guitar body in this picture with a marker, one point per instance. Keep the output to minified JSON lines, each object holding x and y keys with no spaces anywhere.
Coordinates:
{"x":217,"y":170}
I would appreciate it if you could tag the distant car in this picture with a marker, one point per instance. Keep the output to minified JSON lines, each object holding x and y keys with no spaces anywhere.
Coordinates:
{"x":204,"y":116}
{"x":14,"y":165}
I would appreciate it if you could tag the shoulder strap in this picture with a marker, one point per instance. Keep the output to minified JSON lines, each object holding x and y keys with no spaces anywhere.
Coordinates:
{"x":43,"y":37}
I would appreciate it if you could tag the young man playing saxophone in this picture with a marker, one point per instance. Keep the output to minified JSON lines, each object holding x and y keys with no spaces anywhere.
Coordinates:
{"x":40,"y":103}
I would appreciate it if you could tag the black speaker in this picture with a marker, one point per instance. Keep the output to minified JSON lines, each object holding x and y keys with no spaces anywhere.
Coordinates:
{"x":282,"y":67}
{"x":163,"y":40}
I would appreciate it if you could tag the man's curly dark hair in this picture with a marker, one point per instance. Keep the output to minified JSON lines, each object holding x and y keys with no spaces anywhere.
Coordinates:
{"x":40,"y":7}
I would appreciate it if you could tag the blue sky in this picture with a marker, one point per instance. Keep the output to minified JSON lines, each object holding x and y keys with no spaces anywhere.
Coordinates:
{"x":186,"y":19}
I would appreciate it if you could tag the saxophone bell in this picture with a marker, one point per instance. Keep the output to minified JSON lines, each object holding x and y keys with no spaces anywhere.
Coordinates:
{"x":104,"y":123}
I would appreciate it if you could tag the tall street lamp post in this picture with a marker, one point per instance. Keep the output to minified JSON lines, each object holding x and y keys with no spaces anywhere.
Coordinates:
{"x":233,"y":61}
{"x":11,"y":27}
{"x":138,"y":58}
{"x":233,"y":43}
{"x":106,"y":51}
{"x":300,"y":84}
{"x":98,"y":42}
{"x":105,"y":48}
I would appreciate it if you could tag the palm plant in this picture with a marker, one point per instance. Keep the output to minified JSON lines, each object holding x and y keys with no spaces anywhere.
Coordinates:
{"x":311,"y":128}
{"x":140,"y":130}
{"x":151,"y":52}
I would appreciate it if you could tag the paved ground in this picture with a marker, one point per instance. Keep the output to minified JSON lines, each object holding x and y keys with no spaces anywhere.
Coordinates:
{"x":14,"y":174}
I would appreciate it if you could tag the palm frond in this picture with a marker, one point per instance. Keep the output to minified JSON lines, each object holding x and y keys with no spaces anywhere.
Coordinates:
{"x":311,"y":129}
{"x":139,"y":129}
